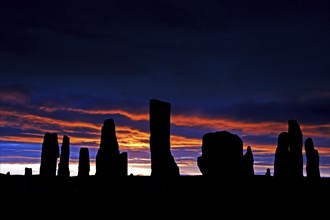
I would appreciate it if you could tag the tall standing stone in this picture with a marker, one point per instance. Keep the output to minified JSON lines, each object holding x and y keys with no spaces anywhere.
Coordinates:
{"x":222,"y":155}
{"x":49,"y":155}
{"x":63,"y":166}
{"x":162,"y":161}
{"x":248,"y":162}
{"x":313,"y":160}
{"x":109,"y":162}
{"x":296,"y":144}
{"x":84,"y":164}
{"x":282,"y":163}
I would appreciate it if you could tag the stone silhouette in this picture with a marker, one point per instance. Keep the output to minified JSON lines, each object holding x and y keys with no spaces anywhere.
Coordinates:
{"x":296,"y":144}
{"x":49,"y":155}
{"x":162,"y":161}
{"x":28,"y":171}
{"x":109,"y":162}
{"x":63,"y":166}
{"x":313,"y":160}
{"x":282,"y":163}
{"x":248,"y":162}
{"x":288,"y":155}
{"x":267,"y":172}
{"x":84,"y":165}
{"x":222,"y":155}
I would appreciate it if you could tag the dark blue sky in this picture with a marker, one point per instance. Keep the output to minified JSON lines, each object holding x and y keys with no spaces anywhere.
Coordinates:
{"x":251,"y":61}
{"x":182,"y":50}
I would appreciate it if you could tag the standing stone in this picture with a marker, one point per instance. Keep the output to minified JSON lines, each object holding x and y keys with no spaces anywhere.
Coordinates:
{"x":313,"y":160}
{"x":296,"y":144}
{"x":28,"y":171}
{"x":222,"y":155}
{"x":248,"y":162}
{"x":282,"y":164}
{"x":63,"y":166}
{"x":162,"y":161}
{"x":109,"y":162}
{"x":84,"y":165}
{"x":49,"y":155}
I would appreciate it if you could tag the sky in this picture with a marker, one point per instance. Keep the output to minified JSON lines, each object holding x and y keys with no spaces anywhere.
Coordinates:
{"x":246,"y":67}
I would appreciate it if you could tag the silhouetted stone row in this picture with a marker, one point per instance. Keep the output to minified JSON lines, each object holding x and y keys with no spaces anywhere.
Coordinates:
{"x":248,"y":162}
{"x":49,"y":155}
{"x":84,"y":165}
{"x":109,"y":162}
{"x":222,"y":154}
{"x":288,"y":155}
{"x":313,"y":160}
{"x":162,"y":161}
{"x":63,"y":166}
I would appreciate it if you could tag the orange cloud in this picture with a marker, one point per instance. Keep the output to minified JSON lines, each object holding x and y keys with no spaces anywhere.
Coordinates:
{"x":252,"y":128}
{"x":323,"y":151}
{"x":180,"y":141}
{"x":34,"y":121}
{"x":128,"y":137}
{"x":21,"y":139}
{"x":132,"y":116}
{"x":262,"y":149}
{"x":132,"y":138}
{"x":259,"y":128}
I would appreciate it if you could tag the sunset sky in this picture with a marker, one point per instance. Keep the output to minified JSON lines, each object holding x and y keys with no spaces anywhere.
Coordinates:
{"x":242,"y":66}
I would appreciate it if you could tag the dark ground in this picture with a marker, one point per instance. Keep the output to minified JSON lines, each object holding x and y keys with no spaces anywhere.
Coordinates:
{"x":144,"y":196}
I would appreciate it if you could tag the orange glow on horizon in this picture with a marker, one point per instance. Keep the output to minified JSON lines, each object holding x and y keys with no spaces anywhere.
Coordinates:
{"x":132,"y":138}
{"x":180,"y":141}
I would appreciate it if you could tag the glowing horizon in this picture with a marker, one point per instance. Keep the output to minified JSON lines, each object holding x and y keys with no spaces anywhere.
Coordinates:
{"x":137,"y":169}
